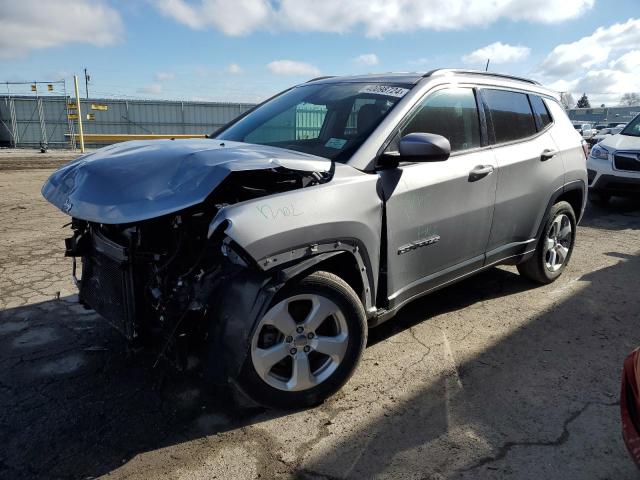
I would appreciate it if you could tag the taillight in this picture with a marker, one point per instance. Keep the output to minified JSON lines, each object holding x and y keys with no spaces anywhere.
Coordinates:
{"x":585,"y":149}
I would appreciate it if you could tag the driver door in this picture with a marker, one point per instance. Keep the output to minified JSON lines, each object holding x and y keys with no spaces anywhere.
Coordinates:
{"x":439,"y":214}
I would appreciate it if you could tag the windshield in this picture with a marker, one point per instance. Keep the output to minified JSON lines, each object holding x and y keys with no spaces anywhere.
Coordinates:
{"x":633,"y":128}
{"x":328,"y":120}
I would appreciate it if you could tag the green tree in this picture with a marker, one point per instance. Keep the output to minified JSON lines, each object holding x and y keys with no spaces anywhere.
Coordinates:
{"x":583,"y":102}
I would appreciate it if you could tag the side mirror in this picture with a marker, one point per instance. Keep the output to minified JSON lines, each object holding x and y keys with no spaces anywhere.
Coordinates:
{"x":424,"y":147}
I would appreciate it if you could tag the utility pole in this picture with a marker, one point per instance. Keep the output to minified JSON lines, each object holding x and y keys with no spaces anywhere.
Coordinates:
{"x":75,"y":82}
{"x":86,"y":83}
{"x":486,"y":68}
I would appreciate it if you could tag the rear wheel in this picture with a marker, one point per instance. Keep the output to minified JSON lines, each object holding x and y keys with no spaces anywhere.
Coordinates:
{"x":554,"y":248}
{"x":307,"y":344}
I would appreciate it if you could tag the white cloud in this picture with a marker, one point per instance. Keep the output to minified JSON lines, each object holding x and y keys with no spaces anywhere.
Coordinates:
{"x":603,"y":65}
{"x":153,"y":89}
{"x":498,"y":52}
{"x":375,"y":17}
{"x":164,"y":76}
{"x":595,"y":49}
{"x":27,"y":25}
{"x":234,"y":69}
{"x":232,"y":18}
{"x":290,"y":67}
{"x":368,"y":59}
{"x":628,"y":63}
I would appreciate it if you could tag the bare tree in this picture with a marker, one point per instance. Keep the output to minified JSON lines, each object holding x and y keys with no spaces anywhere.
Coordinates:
{"x":567,"y":100}
{"x":631,"y":99}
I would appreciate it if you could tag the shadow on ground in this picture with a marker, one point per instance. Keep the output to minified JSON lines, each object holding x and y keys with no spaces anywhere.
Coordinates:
{"x":519,"y":397}
{"x":619,"y":214}
{"x":74,"y":403}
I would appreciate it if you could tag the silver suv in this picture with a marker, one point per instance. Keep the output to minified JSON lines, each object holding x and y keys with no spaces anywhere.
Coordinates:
{"x":274,"y":245}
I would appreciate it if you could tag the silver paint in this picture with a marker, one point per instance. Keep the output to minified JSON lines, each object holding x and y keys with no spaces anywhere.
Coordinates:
{"x":133,"y":181}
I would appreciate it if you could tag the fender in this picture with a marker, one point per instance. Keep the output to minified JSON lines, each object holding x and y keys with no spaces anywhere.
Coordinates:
{"x":568,"y":187}
{"x":239,"y":302}
{"x":343,"y":215}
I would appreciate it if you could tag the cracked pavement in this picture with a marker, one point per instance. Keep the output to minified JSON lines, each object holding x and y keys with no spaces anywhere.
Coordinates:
{"x":491,"y":378}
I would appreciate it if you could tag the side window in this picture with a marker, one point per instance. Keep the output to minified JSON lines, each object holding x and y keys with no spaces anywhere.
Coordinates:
{"x":541,"y":110}
{"x":511,"y":115}
{"x":452,"y":113}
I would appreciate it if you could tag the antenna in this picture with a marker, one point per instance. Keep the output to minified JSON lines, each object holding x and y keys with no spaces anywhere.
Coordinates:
{"x":486,"y":68}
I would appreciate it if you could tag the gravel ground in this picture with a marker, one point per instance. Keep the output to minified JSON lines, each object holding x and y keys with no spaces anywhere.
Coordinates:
{"x":491,"y":378}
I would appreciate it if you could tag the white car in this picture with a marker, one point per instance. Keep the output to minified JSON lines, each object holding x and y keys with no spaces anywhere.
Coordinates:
{"x":602,"y":134}
{"x":585,"y":129}
{"x":613,"y":165}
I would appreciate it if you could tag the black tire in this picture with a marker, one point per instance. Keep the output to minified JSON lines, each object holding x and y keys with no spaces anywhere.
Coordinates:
{"x":535,"y":268}
{"x":600,"y":198}
{"x":342,"y":295}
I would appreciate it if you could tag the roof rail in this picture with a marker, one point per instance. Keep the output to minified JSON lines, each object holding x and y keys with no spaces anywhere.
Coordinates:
{"x":320,"y":78}
{"x":443,"y":71}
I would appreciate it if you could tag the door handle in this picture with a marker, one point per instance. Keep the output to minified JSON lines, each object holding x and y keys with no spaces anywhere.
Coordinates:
{"x":547,"y":153}
{"x":479,"y":172}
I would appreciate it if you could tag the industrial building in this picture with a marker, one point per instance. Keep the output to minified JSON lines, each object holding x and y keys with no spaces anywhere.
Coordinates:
{"x":603,"y":114}
{"x":33,"y":121}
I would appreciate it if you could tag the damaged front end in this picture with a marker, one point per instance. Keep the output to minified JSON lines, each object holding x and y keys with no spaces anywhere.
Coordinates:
{"x":171,"y":282}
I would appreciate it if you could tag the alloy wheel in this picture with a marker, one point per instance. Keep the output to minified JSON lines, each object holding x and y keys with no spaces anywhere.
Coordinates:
{"x":300,"y":342}
{"x":558,"y":242}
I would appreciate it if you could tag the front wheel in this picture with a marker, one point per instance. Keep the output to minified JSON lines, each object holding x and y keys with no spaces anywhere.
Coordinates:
{"x":307,"y":344}
{"x":554,"y":247}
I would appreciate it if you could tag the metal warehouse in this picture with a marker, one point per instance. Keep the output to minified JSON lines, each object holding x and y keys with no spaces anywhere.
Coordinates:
{"x":603,"y":114}
{"x":31,"y":121}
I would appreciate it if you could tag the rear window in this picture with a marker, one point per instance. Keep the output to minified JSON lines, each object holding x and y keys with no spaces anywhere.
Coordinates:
{"x":511,"y":115}
{"x":541,"y":110}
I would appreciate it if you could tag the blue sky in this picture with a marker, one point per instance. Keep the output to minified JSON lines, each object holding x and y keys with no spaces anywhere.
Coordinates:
{"x":246,"y":50}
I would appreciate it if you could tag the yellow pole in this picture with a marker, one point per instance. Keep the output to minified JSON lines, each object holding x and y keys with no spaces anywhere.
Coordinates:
{"x":75,"y":81}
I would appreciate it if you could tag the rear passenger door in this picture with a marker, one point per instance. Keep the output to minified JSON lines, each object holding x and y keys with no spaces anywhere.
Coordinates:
{"x":530,"y":169}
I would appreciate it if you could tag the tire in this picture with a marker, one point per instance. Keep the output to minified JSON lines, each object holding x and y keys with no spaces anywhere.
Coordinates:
{"x":554,"y":248}
{"x":284,"y":367}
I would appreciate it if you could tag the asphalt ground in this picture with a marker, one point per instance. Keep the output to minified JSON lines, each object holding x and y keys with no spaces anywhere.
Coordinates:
{"x":493,"y":377}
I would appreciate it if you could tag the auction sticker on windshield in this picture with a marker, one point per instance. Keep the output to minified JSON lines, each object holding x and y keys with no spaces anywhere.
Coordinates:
{"x":335,"y":143}
{"x":385,"y":90}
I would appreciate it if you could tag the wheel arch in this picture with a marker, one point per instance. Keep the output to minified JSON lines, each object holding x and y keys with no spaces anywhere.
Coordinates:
{"x":574,"y":193}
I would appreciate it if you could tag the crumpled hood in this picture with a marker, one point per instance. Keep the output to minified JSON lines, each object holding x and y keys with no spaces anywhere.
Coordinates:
{"x":138,"y":180}
{"x":621,"y":142}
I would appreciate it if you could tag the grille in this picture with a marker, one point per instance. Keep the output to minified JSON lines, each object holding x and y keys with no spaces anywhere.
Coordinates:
{"x":627,"y":161}
{"x":107,"y":287}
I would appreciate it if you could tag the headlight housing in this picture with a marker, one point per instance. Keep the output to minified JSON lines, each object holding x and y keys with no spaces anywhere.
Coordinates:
{"x":600,"y":152}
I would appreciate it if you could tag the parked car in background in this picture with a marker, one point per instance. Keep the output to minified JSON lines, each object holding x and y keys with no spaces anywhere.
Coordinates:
{"x":630,"y":404}
{"x":273,"y":246}
{"x":585,"y":129}
{"x":600,"y":126}
{"x":581,"y":128}
{"x":613,"y":165}
{"x":602,"y":134}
